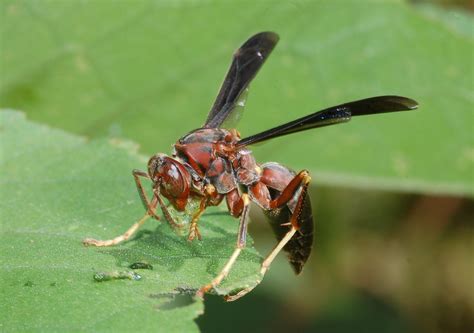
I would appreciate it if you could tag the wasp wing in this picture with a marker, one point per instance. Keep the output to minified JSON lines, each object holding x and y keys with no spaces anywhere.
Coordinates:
{"x":335,"y":115}
{"x":247,"y":61}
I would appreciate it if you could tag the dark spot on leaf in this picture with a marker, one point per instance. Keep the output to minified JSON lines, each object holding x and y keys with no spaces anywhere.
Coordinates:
{"x":179,"y":297}
{"x":186,"y":290}
{"x":212,"y":266}
{"x":178,"y":301}
{"x":29,"y":284}
{"x":181,"y":290}
{"x":142,"y":233}
{"x":141,"y":265}
{"x":19,"y":96}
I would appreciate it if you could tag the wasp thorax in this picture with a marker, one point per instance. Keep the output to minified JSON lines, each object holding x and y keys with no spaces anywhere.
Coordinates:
{"x":173,"y":179}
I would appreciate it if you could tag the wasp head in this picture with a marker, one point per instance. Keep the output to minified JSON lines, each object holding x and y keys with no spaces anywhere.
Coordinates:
{"x":171,"y":178}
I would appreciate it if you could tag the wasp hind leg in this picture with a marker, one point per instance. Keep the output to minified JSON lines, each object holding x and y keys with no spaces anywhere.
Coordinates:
{"x":301,"y":180}
{"x":149,"y":206}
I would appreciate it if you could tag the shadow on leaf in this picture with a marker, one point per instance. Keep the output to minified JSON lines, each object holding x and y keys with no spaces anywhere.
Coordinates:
{"x":163,"y":248}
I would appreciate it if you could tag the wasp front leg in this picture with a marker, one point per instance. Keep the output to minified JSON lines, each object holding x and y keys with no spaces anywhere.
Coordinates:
{"x":141,"y":191}
{"x":241,"y":242}
{"x":166,"y":213}
{"x":149,"y":206}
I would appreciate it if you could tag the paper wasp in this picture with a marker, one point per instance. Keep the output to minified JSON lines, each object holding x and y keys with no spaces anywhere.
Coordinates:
{"x":213,"y":163}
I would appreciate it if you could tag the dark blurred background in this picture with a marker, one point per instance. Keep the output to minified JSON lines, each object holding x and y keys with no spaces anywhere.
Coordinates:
{"x":382,"y":262}
{"x":393,"y":248}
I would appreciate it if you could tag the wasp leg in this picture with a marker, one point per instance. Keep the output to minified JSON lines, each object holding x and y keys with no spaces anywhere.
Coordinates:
{"x":266,"y":263}
{"x":149,"y":206}
{"x":125,"y":236}
{"x":241,"y":241}
{"x":144,"y":197}
{"x":146,"y":203}
{"x":166,"y":213}
{"x":193,"y":228}
{"x":302,"y":180}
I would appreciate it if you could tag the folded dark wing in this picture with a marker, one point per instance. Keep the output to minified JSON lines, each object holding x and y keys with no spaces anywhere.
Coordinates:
{"x":247,"y":61}
{"x":335,"y":115}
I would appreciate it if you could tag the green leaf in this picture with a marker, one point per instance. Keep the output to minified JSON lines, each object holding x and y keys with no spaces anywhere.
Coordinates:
{"x":55,"y":190}
{"x":149,"y":71}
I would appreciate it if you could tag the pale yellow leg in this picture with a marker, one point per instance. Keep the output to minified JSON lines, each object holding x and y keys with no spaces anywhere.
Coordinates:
{"x":268,"y":260}
{"x":119,"y":239}
{"x":222,"y":275}
{"x":265,"y":265}
{"x":193,"y":228}
{"x":240,"y":245}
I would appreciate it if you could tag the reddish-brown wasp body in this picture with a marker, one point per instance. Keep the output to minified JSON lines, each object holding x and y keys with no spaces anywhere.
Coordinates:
{"x":213,"y":164}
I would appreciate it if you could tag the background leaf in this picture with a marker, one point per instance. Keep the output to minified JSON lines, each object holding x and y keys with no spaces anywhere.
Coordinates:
{"x":149,"y":71}
{"x":56,"y":189}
